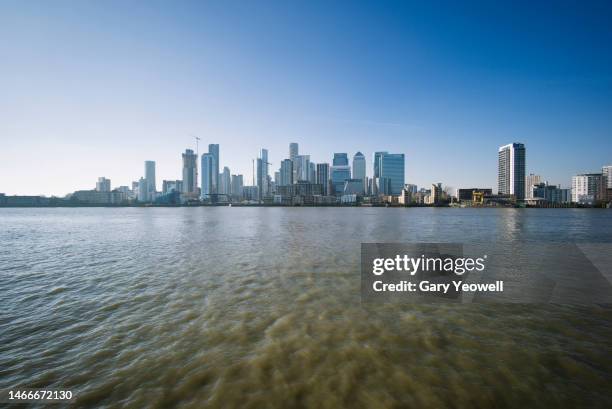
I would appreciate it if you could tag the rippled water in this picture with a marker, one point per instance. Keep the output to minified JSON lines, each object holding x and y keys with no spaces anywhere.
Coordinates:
{"x":260,"y":308}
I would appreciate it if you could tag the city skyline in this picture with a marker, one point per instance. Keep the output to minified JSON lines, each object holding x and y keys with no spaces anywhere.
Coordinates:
{"x":92,"y":89}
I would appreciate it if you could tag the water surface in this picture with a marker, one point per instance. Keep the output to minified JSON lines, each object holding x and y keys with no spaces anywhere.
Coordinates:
{"x":260,"y":308}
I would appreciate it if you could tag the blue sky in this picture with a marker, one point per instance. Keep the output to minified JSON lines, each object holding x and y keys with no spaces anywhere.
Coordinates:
{"x":92,"y":89}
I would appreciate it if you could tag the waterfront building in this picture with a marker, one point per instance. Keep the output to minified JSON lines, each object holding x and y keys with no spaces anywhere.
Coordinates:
{"x":172,"y":185}
{"x":353,"y":187}
{"x":208,"y":175}
{"x":587,"y":188}
{"x":467,"y":194}
{"x":237,"y":184}
{"x":190,"y":169}
{"x":213,"y":149}
{"x":323,"y":177}
{"x":286,"y":172}
{"x":391,"y":169}
{"x":143,"y":192}
{"x":511,"y":170}
{"x":550,"y":193}
{"x":150,"y":179}
{"x":100,"y":197}
{"x":103,"y":184}
{"x":531,"y":180}
{"x":250,"y":193}
{"x":606,"y":171}
{"x":225,"y":181}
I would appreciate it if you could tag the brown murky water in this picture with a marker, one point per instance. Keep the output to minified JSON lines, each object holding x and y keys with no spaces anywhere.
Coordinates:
{"x":260,"y":308}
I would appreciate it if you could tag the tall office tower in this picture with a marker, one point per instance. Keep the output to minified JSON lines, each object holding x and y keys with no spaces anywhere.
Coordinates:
{"x":530,"y":181}
{"x":312,"y":172}
{"x":213,"y":149}
{"x":607,"y":172}
{"x":587,"y":187}
{"x":323,"y":177}
{"x":103,"y":184}
{"x":359,"y":169}
{"x":301,"y":167}
{"x":225,"y":181}
{"x":376,"y":164}
{"x":150,"y":178}
{"x":260,"y":179}
{"x":340,"y":159}
{"x":208,"y":175}
{"x":511,"y":172}
{"x":277,"y":178}
{"x":339,"y":175}
{"x":286,"y":173}
{"x":392,"y":173}
{"x":143,"y":193}
{"x":190,"y":168}
{"x":293,"y":154}
{"x":237,"y":184}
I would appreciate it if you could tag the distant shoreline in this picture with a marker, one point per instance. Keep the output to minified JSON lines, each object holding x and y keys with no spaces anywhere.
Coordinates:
{"x":394,"y":206}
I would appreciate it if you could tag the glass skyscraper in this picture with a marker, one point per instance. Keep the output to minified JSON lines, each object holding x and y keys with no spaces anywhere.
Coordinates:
{"x":391,"y":168}
{"x":340,"y":159}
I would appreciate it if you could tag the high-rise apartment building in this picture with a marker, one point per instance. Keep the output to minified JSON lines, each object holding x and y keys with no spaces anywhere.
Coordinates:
{"x":301,"y":166}
{"x":190,"y":168}
{"x":293,"y":154}
{"x":530,"y":181}
{"x":213,"y":149}
{"x":150,"y":179}
{"x":606,"y":171}
{"x":511,"y":170}
{"x":208,"y":175}
{"x":286,"y":173}
{"x":103,"y":184}
{"x":225,"y":181}
{"x":376,"y":164}
{"x":323,"y":177}
{"x":237,"y":185}
{"x":587,"y":188}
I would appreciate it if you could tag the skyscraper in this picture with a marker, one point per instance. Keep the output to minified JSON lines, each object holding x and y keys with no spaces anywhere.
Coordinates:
{"x":293,"y":153}
{"x":237,"y":184}
{"x":606,"y":171}
{"x":225,"y":181}
{"x":511,"y":170}
{"x":323,"y":176}
{"x":301,"y":167}
{"x":213,"y":149}
{"x":340,"y":159}
{"x":359,"y":166}
{"x":190,"y":165}
{"x":376,"y":164}
{"x":339,"y":174}
{"x":208,"y":173}
{"x":150,"y":178}
{"x":286,"y":172}
{"x":392,"y":173}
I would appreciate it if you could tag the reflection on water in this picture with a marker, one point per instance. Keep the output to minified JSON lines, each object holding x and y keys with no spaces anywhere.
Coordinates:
{"x":260,"y":307}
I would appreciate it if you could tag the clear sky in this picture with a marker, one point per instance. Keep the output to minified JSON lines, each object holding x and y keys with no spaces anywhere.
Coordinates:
{"x":92,"y":89}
